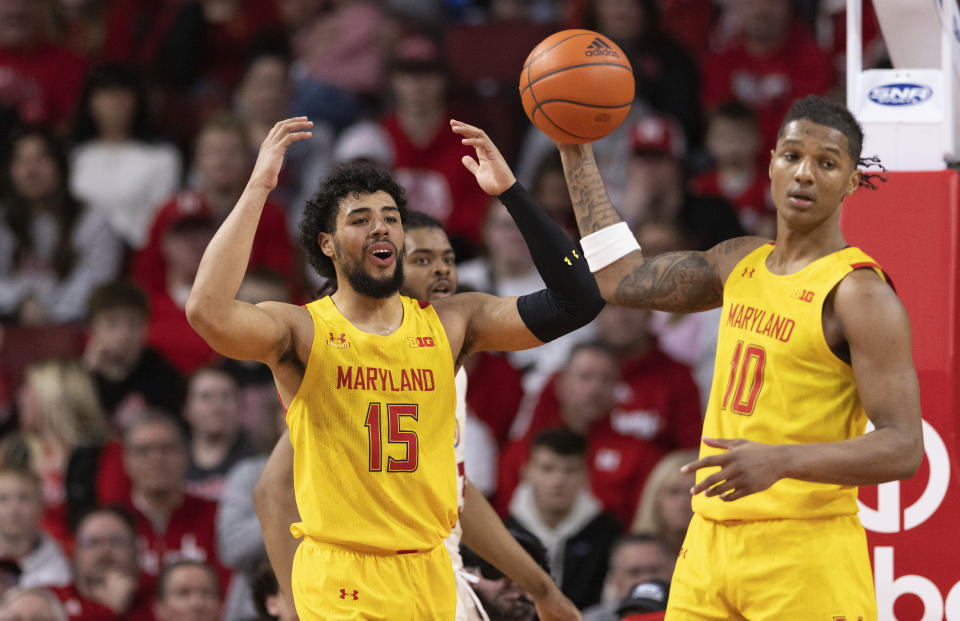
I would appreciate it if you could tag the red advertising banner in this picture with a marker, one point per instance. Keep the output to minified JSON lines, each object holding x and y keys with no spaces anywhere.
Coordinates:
{"x":911,"y":226}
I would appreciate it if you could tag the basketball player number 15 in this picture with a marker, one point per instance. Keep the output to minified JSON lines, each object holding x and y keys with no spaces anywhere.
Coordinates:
{"x":394,"y":436}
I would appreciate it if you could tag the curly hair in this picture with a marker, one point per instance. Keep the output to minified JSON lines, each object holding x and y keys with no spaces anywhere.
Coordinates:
{"x":320,"y":213}
{"x":836,"y":115}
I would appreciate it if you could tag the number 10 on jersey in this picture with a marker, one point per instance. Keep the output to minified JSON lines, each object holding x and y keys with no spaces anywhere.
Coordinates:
{"x":746,"y":358}
{"x":395,"y":435}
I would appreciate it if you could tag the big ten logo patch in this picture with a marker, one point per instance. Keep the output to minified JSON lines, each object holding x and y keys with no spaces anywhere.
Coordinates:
{"x":802,"y":294}
{"x":421,"y":341}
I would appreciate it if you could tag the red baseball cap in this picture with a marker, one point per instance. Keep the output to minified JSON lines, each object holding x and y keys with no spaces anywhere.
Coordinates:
{"x":657,"y":135}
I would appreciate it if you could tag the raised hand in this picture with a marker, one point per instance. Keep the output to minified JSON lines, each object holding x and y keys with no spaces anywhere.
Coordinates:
{"x":493,"y":175}
{"x":266,"y":171}
{"x":746,"y":468}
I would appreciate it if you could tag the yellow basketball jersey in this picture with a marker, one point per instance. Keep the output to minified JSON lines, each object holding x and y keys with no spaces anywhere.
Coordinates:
{"x":372,"y":427}
{"x":776,"y":381}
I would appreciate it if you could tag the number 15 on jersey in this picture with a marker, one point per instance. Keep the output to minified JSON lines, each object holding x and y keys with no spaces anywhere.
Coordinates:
{"x":395,"y":436}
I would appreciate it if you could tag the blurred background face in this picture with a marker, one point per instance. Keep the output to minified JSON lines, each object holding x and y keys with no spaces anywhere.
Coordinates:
{"x":104,"y":542}
{"x":29,"y":606}
{"x":619,"y":19}
{"x":429,"y":270}
{"x":762,"y":21}
{"x":18,"y":22}
{"x":504,"y":599}
{"x":622,"y":328}
{"x":213,"y":404}
{"x":113,"y":109}
{"x":30,"y":408}
{"x":556,"y":480}
{"x":732,"y":142}
{"x":505,"y":245}
{"x":674,"y":501}
{"x":190,"y":595}
{"x":155,"y":458}
{"x":265,"y":91}
{"x":659,"y":237}
{"x":550,"y":192}
{"x":182,"y":249}
{"x":296,"y":13}
{"x":586,"y":388}
{"x":638,"y":562}
{"x":652,"y":174}
{"x":20,"y":507}
{"x":222,"y":159}
{"x":120,"y":333}
{"x":33,"y":169}
{"x":419,"y":91}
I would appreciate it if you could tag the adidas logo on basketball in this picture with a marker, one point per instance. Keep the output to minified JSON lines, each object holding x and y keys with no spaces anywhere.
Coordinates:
{"x":599,"y":47}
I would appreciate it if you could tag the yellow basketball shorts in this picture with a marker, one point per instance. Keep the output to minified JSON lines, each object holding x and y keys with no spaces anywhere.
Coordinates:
{"x":336,"y":584}
{"x":766,"y":570}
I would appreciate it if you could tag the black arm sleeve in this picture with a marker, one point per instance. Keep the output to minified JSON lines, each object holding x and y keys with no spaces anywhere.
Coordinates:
{"x":572,"y":298}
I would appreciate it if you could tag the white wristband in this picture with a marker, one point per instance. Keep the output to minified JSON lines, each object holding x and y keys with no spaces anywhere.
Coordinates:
{"x":605,"y":246}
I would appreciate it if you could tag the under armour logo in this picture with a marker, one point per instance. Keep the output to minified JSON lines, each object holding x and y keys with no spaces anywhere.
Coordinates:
{"x":338,"y":342}
{"x":344,"y":594}
{"x":747,"y":272}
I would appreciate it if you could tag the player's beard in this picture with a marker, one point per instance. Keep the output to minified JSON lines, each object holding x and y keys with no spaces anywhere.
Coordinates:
{"x":370,"y":286}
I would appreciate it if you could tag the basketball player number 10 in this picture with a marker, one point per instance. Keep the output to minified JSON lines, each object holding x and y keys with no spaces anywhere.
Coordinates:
{"x":745,"y":358}
{"x":394,"y":436}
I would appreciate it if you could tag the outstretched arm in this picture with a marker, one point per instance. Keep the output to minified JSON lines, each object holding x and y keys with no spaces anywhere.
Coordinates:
{"x":276,"y":506}
{"x":485,"y":534}
{"x":233,"y":328}
{"x":673,"y":281}
{"x":877,"y":329}
{"x":571,"y":299}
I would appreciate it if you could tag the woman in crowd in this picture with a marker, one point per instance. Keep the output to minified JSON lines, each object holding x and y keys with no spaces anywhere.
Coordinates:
{"x":53,"y":249}
{"x":664,"y":507}
{"x":118,"y":167}
{"x":59,"y":413}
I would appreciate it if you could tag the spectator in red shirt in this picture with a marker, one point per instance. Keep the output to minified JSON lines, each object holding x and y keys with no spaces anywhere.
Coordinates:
{"x":107,"y":586}
{"x":774,"y":61}
{"x":657,"y":399}
{"x":733,"y":143}
{"x":184,"y":238}
{"x":188,"y":591}
{"x":171,"y":524}
{"x":38,"y":78}
{"x":656,"y":188}
{"x":222,"y":162}
{"x":426,"y":154}
{"x":582,"y":398}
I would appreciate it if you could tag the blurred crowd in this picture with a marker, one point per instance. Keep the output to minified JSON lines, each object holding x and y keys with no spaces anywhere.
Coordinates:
{"x":129,"y":450}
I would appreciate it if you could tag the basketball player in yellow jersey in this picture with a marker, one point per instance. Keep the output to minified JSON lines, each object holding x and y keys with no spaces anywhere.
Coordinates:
{"x":367,"y":376}
{"x":813,"y":342}
{"x":429,"y":273}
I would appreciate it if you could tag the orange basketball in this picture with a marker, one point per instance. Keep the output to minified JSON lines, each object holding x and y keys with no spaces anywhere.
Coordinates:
{"x":576,"y":86}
